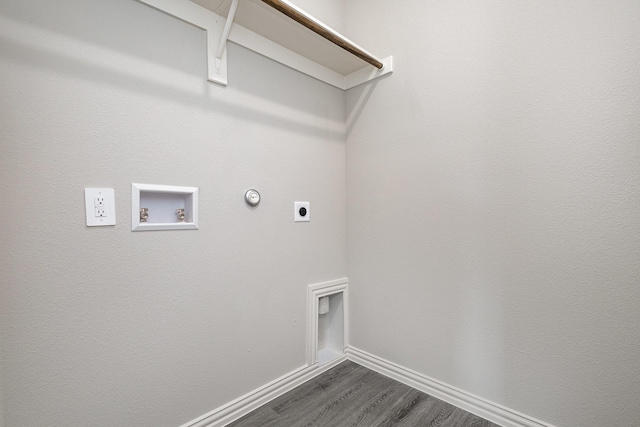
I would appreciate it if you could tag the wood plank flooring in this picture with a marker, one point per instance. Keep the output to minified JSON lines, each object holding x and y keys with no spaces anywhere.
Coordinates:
{"x":351,"y":395}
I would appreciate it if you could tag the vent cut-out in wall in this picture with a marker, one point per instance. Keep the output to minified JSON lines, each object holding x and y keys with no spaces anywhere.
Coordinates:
{"x":328,"y":321}
{"x":163,"y":207}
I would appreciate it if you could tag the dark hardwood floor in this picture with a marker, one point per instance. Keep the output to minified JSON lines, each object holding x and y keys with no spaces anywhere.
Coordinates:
{"x":351,"y":395}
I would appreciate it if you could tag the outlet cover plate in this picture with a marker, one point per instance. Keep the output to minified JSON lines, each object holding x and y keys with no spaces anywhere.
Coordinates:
{"x":100,"y":206}
{"x":297,"y":214}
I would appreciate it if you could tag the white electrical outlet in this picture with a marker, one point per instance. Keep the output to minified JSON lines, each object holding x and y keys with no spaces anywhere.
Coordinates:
{"x":302,"y":212}
{"x":100,"y":206}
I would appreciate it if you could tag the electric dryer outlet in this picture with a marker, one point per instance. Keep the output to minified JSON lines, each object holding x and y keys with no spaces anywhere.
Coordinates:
{"x":302,"y":212}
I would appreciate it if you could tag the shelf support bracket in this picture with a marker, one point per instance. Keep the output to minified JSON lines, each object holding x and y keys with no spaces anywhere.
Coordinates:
{"x":225,"y":34}
{"x":211,"y":23}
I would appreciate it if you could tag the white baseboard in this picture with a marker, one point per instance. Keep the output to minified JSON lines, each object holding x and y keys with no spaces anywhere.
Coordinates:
{"x":463,"y":400}
{"x":240,"y":407}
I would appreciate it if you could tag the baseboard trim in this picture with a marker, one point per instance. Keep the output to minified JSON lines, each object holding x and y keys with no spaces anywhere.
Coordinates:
{"x":476,"y":405}
{"x":240,"y":407}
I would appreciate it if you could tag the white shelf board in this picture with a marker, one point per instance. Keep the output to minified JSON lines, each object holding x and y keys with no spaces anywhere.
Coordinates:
{"x":260,"y":28}
{"x":267,"y":22}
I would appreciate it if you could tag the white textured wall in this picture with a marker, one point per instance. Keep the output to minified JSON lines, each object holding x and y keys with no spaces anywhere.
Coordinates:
{"x":330,"y":12}
{"x":105,"y":327}
{"x":2,"y":424}
{"x":493,"y":199}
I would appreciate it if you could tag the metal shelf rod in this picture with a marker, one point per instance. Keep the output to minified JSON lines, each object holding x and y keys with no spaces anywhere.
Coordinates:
{"x":319,"y":28}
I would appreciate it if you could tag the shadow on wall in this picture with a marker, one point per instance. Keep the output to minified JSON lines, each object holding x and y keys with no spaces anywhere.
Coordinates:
{"x":87,"y":61}
{"x":363,"y":93}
